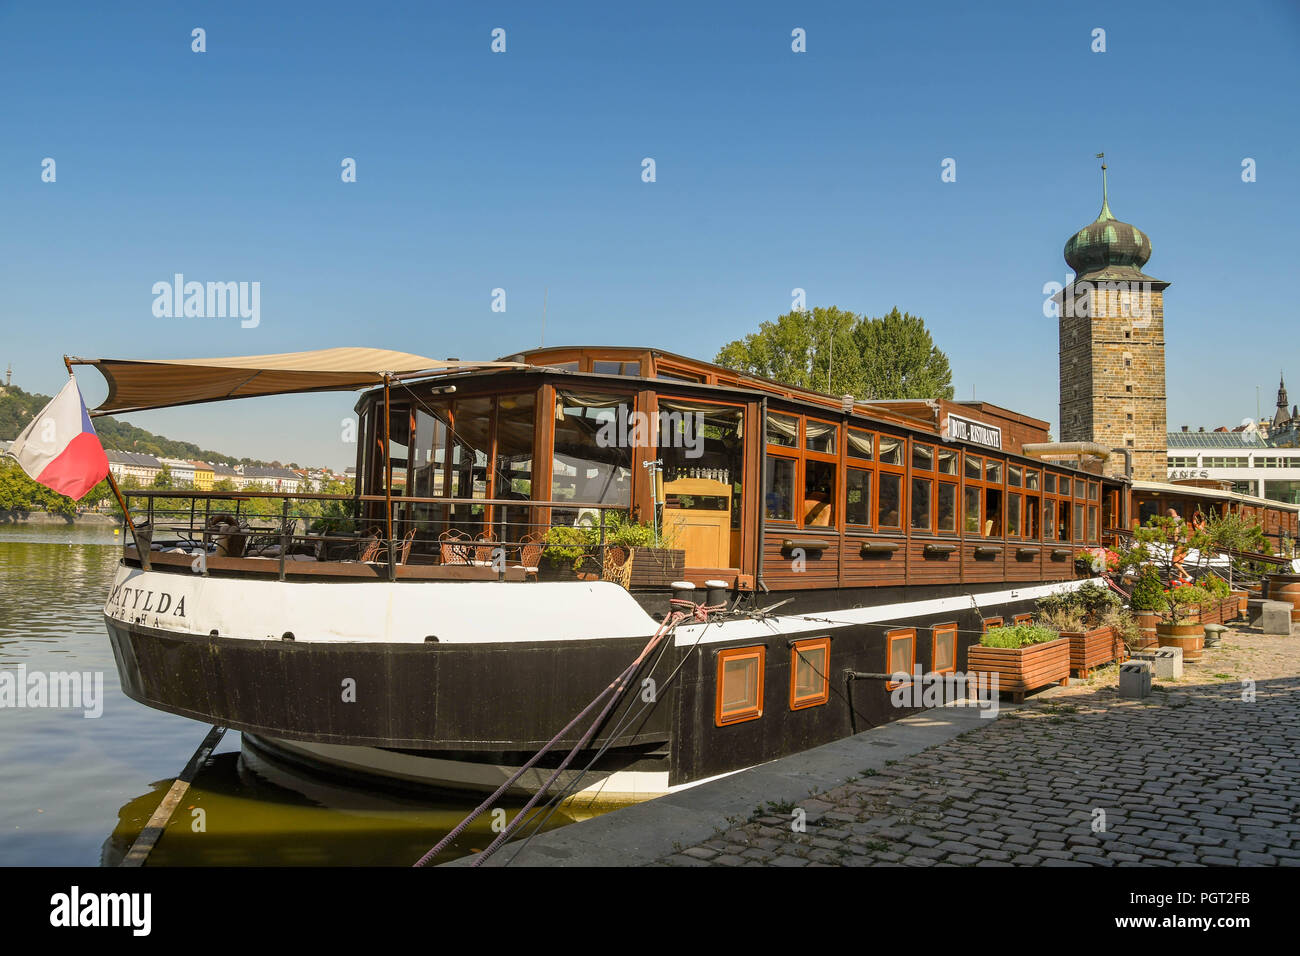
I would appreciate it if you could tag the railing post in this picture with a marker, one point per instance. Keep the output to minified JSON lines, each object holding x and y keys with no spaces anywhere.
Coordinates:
{"x":284,"y":533}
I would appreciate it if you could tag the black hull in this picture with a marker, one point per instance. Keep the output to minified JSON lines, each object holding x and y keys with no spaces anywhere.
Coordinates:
{"x":502,"y":702}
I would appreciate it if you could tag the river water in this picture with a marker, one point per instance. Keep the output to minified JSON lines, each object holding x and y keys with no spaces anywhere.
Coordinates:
{"x":77,"y":790}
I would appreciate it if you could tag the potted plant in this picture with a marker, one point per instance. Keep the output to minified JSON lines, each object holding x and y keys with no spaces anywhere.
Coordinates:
{"x":564,"y":551}
{"x":1148,"y":601}
{"x":1024,"y":656}
{"x":1180,"y":625}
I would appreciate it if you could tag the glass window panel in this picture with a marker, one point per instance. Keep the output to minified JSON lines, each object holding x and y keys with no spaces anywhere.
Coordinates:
{"x":782,"y":430}
{"x":514,"y":467}
{"x":820,"y":437}
{"x":1093,"y":491}
{"x":922,"y":488}
{"x":900,"y":654}
{"x":1031,"y":518}
{"x":1092,"y":524}
{"x":1013,"y":516}
{"x":1063,"y":521}
{"x":1049,"y":483}
{"x":1031,"y":479}
{"x":947,"y":461}
{"x":819,"y":494}
{"x":780,"y":488}
{"x":890,"y":505}
{"x":1049,"y":521}
{"x":1014,"y":476}
{"x":616,"y":368}
{"x":810,"y":671}
{"x":993,"y":471}
{"x":891,"y":450}
{"x":1078,"y":522}
{"x":946,"y":519}
{"x":992,"y":513}
{"x":739,"y":684}
{"x":974,"y":467}
{"x":971,"y":513}
{"x":857,"y":508}
{"x":1065,"y":485}
{"x":701,"y":446}
{"x":945,"y":649}
{"x":861,"y":444}
{"x":588,"y":467}
{"x":922,"y":458}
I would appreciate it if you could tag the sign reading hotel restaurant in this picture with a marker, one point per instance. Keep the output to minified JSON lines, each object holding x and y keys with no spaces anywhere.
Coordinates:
{"x":964,"y":429}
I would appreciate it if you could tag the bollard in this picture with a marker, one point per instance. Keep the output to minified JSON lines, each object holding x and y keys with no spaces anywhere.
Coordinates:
{"x":1214,"y":634}
{"x":1135,"y":679}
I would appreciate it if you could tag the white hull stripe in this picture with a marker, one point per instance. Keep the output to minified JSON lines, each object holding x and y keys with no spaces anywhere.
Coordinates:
{"x":460,"y":613}
{"x":716,"y":632}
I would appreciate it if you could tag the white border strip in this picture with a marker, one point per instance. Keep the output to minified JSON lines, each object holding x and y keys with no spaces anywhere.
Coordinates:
{"x":718,"y":631}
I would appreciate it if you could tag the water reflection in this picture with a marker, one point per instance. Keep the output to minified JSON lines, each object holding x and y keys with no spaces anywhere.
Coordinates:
{"x":247,"y":809}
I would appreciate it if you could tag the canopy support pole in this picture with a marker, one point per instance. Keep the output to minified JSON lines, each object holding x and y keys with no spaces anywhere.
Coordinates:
{"x":388,"y":466}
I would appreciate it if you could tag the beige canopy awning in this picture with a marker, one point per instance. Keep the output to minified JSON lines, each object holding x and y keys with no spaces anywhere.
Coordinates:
{"x":139,"y":384}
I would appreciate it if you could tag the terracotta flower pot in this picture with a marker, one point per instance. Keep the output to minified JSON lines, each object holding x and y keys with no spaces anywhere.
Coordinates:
{"x":1286,"y":587}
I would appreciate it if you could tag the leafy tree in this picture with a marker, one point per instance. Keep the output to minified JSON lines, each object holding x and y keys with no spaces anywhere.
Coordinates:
{"x":164,"y":477}
{"x":837,"y":352}
{"x":900,"y":359}
{"x":799,"y":348}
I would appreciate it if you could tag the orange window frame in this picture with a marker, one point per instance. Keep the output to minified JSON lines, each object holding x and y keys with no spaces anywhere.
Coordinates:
{"x":791,"y":454}
{"x":837,"y":486}
{"x":857,"y":463}
{"x":991,"y":622}
{"x":915,"y":474}
{"x":945,"y":630}
{"x":724,"y":718}
{"x":1019,"y":498}
{"x":1023,"y":619}
{"x":814,"y":700}
{"x":888,"y":468}
{"x":899,"y":634}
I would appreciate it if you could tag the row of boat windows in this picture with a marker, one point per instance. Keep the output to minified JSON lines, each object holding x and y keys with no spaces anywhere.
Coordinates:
{"x":740,"y":671}
{"x":891,"y":483}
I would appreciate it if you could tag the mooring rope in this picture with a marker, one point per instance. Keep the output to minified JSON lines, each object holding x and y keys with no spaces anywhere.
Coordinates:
{"x":616,"y":687}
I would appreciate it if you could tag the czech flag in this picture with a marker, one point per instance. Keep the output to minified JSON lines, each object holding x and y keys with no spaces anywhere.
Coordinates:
{"x":59,"y":447}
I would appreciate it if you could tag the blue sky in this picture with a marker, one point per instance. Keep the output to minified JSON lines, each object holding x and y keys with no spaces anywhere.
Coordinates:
{"x":522,"y":171}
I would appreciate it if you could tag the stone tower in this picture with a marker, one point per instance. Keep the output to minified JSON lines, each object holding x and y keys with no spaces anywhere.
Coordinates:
{"x":1112,"y":340}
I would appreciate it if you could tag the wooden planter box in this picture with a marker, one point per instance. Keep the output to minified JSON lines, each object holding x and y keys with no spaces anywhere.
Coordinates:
{"x":1022,"y":669}
{"x":1089,"y":649}
{"x":657,"y":567}
{"x":1189,"y":636}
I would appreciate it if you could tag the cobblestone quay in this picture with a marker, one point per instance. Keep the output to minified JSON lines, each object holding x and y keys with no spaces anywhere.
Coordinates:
{"x":1202,"y":773}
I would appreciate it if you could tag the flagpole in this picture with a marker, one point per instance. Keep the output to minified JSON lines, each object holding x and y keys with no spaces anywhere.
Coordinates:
{"x":117,"y":492}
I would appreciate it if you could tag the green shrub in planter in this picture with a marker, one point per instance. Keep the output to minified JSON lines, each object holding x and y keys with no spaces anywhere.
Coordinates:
{"x":1149,"y":591}
{"x":1018,"y":635}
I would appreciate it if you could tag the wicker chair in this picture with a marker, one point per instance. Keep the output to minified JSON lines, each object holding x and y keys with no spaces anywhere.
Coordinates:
{"x":530,"y":553}
{"x":618,"y":566}
{"x":455,"y":547}
{"x":483,"y":549}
